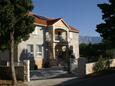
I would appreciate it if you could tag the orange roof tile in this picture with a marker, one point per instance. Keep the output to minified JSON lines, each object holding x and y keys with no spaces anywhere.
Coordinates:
{"x":40,"y":20}
{"x":44,"y":21}
{"x":72,"y":29}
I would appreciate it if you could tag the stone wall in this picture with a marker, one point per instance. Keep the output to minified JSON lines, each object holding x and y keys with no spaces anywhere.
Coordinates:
{"x":81,"y":67}
{"x":5,"y":72}
{"x":36,"y":38}
{"x":22,"y":72}
{"x":90,"y":66}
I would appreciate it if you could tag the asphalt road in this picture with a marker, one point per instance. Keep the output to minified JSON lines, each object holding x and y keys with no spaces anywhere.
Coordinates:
{"x":105,"y":80}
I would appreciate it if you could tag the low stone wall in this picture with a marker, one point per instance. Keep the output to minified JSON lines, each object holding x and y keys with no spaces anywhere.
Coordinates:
{"x":112,"y":63}
{"x":22,"y":72}
{"x":90,"y":66}
{"x":81,"y":66}
{"x":5,"y":72}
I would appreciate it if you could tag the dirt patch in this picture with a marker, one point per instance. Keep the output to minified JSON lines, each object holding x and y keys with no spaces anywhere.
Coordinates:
{"x":9,"y":83}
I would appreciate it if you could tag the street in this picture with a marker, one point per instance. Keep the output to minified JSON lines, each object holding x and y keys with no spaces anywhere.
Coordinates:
{"x":105,"y":80}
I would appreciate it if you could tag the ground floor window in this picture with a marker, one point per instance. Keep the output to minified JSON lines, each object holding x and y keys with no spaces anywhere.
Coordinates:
{"x":38,"y":50}
{"x":30,"y":50}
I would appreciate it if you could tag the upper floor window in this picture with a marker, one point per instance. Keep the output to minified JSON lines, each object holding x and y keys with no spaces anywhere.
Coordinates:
{"x":48,"y":36}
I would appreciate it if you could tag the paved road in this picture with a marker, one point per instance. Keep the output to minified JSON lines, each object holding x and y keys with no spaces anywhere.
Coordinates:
{"x":105,"y":80}
{"x":48,"y":82}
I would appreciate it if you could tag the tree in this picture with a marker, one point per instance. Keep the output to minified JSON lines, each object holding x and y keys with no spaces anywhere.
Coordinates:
{"x":107,"y":28}
{"x":15,"y":26}
{"x":93,"y":51}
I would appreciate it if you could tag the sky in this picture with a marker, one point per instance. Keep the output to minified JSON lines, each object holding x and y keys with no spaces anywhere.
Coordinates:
{"x":84,"y":15}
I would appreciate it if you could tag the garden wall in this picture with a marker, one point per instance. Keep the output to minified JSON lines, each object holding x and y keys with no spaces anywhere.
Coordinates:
{"x":6,"y":74}
{"x":22,"y":72}
{"x":90,"y":66}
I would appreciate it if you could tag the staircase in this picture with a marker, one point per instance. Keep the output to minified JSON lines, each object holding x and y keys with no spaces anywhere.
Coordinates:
{"x":46,"y":73}
{"x":53,"y":63}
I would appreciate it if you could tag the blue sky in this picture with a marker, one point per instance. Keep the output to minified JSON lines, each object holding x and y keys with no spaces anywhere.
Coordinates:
{"x":81,"y":14}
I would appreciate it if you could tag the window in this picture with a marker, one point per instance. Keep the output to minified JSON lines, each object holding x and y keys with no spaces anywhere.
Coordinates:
{"x":38,"y":50}
{"x":30,"y":50}
{"x":48,"y":37}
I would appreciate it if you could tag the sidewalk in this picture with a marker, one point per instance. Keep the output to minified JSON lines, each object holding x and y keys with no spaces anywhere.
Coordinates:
{"x":49,"y":77}
{"x":48,"y":82}
{"x":103,"y":80}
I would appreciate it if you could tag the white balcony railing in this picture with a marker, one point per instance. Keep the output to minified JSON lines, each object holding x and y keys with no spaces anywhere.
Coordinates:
{"x":60,"y":38}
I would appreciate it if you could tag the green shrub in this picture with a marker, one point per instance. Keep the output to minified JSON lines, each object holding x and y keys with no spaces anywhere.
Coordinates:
{"x":102,"y":64}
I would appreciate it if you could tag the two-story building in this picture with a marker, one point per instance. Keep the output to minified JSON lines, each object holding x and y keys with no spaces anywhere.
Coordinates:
{"x":49,"y":38}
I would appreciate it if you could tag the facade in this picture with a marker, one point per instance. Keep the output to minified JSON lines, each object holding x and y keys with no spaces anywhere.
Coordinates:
{"x":49,"y":38}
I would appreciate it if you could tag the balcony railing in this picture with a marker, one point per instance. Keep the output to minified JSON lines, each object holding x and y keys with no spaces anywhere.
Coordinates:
{"x":60,"y":38}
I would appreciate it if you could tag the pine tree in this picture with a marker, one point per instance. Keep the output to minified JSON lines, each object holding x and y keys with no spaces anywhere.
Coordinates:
{"x":107,"y":28}
{"x":15,"y":25}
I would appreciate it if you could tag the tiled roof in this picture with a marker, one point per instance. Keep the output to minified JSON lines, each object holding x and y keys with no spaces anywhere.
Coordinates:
{"x":44,"y":20}
{"x":40,"y":20}
{"x":73,"y":29}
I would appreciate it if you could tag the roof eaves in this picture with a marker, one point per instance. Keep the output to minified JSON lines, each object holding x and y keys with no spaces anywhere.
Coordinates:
{"x":72,"y":29}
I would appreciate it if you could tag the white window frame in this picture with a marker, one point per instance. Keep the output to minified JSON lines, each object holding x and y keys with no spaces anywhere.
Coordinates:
{"x":39,"y":51}
{"x":30,"y":52}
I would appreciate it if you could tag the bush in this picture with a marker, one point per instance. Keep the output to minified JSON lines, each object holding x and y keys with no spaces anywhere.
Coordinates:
{"x":102,"y":64}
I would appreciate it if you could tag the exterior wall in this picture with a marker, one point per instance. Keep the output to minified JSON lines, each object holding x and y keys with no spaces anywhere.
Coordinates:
{"x":36,"y":38}
{"x":74,"y":41}
{"x":60,"y":24}
{"x":4,"y":57}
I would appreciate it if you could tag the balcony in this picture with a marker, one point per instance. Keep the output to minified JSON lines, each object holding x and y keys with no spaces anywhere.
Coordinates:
{"x":60,"y":38}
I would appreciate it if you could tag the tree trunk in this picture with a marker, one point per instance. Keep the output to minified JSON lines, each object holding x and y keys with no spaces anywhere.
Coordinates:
{"x":12,"y":67}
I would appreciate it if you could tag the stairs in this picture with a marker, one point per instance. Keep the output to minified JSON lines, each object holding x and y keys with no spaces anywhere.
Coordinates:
{"x":53,"y":63}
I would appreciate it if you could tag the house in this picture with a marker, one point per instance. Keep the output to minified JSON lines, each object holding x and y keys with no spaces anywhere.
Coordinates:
{"x":49,"y":38}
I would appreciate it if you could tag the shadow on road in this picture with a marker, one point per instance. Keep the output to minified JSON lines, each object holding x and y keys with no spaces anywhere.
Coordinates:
{"x":104,"y":80}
